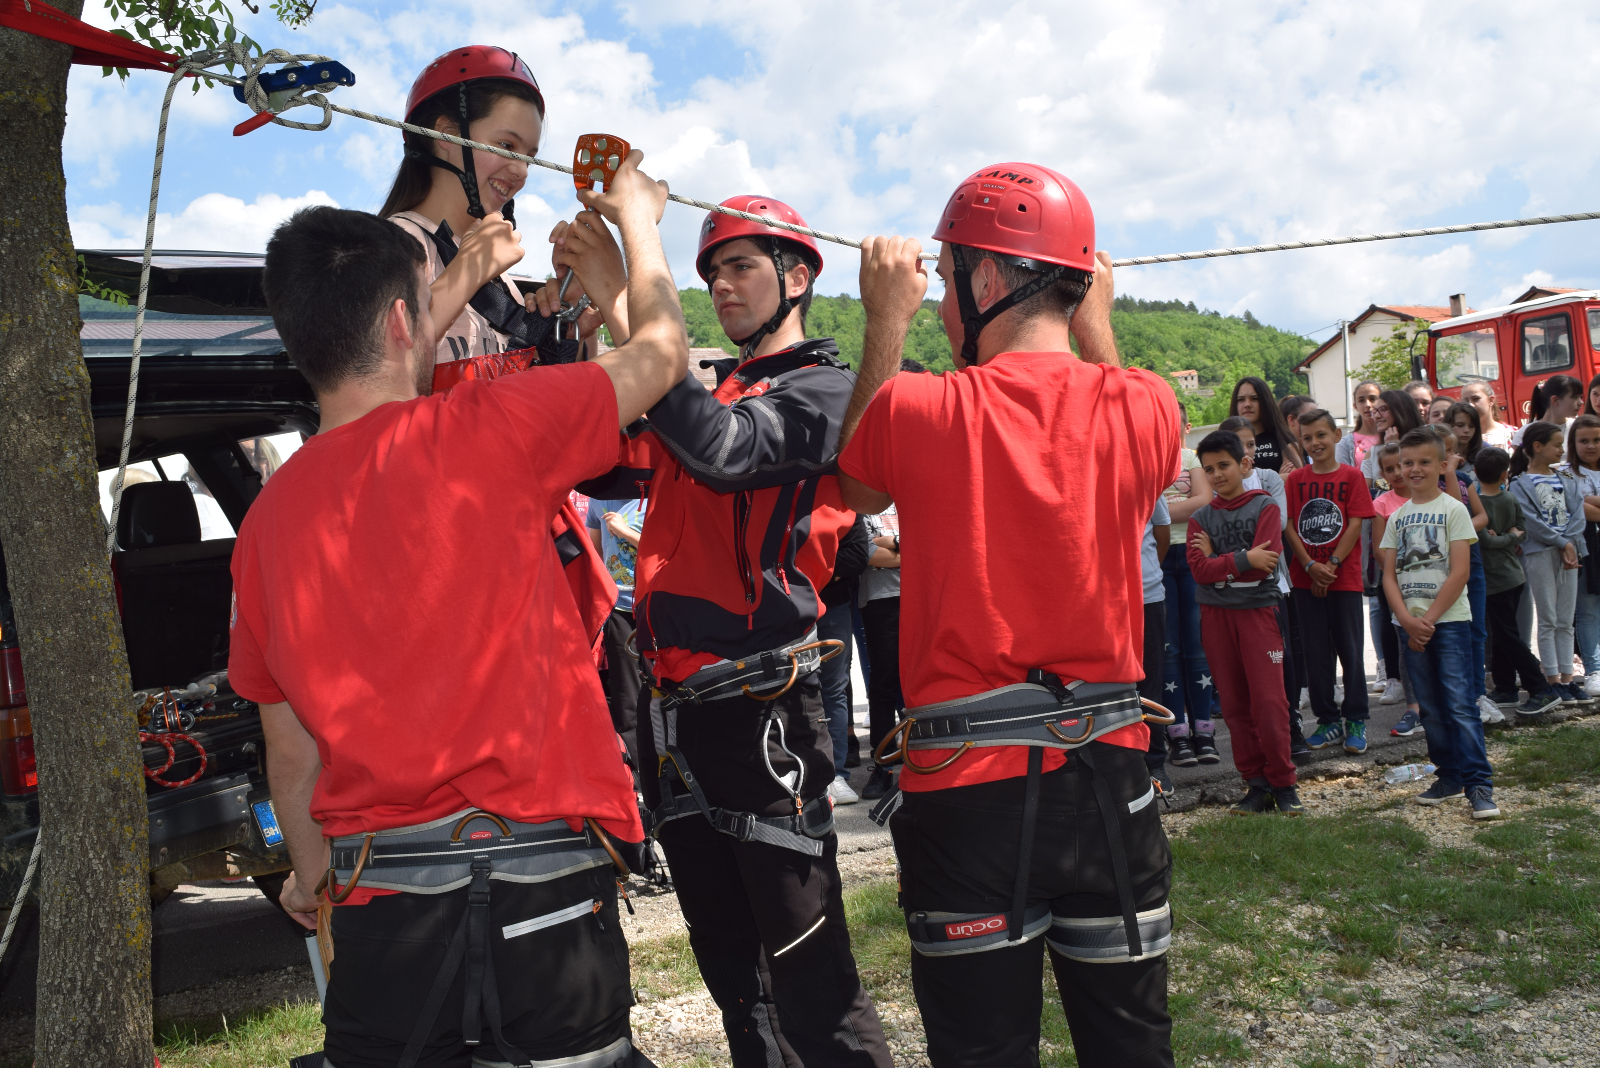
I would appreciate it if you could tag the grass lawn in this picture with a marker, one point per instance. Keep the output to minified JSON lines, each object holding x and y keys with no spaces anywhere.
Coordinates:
{"x":1272,"y":915}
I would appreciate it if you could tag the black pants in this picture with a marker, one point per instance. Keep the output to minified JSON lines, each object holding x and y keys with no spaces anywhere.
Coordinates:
{"x":958,"y":852}
{"x":766,"y":924}
{"x":622,"y":679}
{"x":881,"y":618}
{"x":1332,"y":628}
{"x":1510,"y":653}
{"x":1391,"y":644}
{"x":1155,"y":673}
{"x":564,"y":989}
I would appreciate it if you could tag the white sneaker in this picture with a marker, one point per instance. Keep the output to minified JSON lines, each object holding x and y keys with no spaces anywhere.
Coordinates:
{"x":1305,"y":699}
{"x":1378,"y":684}
{"x":1338,"y":695}
{"x":841,"y":793}
{"x":1591,"y":684}
{"x":1393,"y":693}
{"x":1490,"y":712}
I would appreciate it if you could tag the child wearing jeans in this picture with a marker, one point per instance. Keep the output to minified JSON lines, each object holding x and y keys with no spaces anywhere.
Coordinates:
{"x":1552,"y":506}
{"x":1427,"y":557}
{"x":1233,"y":552}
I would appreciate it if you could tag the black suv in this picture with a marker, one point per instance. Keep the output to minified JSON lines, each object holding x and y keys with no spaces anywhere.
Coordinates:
{"x":219,"y":407}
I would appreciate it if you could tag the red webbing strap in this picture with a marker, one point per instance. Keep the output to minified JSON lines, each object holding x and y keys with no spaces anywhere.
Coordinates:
{"x":90,"y":44}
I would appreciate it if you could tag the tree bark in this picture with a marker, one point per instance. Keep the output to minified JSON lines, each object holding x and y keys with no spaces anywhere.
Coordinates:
{"x":94,"y":995}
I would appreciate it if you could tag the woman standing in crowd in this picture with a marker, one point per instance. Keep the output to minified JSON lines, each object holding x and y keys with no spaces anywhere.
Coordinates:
{"x":1185,"y":668}
{"x":1276,"y":448}
{"x":1464,"y":423}
{"x":1354,"y":446}
{"x":1481,"y":396}
{"x":1556,"y":400}
{"x":1396,"y":413}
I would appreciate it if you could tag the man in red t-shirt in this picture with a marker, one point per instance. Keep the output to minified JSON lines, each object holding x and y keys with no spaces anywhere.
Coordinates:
{"x":1027,"y":809}
{"x":425,"y":685}
{"x":1327,"y":502}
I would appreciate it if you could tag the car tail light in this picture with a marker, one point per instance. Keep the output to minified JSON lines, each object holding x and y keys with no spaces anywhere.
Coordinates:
{"x":19,"y":770}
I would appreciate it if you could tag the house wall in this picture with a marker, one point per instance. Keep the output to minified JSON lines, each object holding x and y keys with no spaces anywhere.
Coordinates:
{"x":1326,"y":372}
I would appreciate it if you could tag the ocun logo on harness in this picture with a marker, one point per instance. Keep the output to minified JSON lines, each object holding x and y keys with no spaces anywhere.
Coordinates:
{"x":975,"y":928}
{"x":481,"y":834}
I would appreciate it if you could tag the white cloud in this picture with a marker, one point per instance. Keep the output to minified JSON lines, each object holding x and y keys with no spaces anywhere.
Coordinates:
{"x":214,"y":221}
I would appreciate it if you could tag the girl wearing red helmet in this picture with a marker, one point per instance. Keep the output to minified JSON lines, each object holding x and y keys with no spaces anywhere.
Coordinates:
{"x":458,"y":203}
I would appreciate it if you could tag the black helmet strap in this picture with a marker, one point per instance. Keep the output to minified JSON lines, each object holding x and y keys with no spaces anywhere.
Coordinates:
{"x":466,"y":172}
{"x":972,"y":320}
{"x":747,"y":345}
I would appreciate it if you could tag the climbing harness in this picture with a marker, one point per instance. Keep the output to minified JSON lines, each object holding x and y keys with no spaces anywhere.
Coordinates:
{"x":472,"y":849}
{"x":1042,"y":713}
{"x":754,"y":677}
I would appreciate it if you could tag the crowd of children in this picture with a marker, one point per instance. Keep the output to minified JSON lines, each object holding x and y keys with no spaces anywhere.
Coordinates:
{"x":1458,"y":531}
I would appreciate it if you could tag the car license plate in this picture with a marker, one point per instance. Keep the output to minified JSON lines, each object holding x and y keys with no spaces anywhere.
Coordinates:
{"x":267,"y":820}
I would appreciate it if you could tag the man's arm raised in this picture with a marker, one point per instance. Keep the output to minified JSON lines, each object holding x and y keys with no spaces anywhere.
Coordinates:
{"x":893,"y":283}
{"x":656,"y":355}
{"x":1091,"y":323}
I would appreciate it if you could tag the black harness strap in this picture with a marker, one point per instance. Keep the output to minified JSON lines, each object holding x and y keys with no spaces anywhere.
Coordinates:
{"x":1030,"y":816}
{"x":523,"y":329}
{"x":1119,"y":855}
{"x":441,"y":986}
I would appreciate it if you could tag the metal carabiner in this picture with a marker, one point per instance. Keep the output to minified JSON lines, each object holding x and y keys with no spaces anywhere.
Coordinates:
{"x":1172,"y":717}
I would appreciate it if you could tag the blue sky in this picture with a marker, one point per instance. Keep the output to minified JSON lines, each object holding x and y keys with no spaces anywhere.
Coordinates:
{"x":1188,"y":126}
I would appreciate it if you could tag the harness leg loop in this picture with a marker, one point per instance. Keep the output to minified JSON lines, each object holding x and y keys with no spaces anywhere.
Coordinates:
{"x":1119,"y":855}
{"x":1030,"y":816}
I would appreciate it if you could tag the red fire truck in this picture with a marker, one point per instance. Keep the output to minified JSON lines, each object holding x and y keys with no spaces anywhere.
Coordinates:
{"x":1515,"y":348}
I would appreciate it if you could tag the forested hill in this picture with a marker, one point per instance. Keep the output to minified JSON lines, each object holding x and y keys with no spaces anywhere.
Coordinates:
{"x":1165,"y":336}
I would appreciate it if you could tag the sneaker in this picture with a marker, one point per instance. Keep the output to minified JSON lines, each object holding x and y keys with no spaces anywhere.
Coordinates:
{"x":1539,"y":702}
{"x":1381,"y":680}
{"x":852,"y":759}
{"x":1258,"y":799}
{"x":1505,"y":700}
{"x":878,"y":783}
{"x":841,"y":793}
{"x":1569,"y":694}
{"x":1355,"y":736}
{"x":1288,"y":801}
{"x":1437,"y":794}
{"x":1409,"y":724}
{"x":1205,"y":749}
{"x":1325,"y":735}
{"x":1393,"y":693}
{"x":1182,"y":755}
{"x":1299,"y":751}
{"x":1490,"y":712}
{"x":1591,"y":684}
{"x":1338,"y":695}
{"x":1579,"y":694}
{"x":1482,"y":800}
{"x":1305,"y":698}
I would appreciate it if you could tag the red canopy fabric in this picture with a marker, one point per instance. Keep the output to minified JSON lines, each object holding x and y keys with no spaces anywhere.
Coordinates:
{"x":90,"y":44}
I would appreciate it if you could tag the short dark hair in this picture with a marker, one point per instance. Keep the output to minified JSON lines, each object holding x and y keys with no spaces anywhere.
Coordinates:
{"x":791,"y":254}
{"x":1060,"y":299}
{"x":1491,"y":465}
{"x":1316,"y":416}
{"x":331,"y":275}
{"x":908,"y":364}
{"x":1221,"y":441}
{"x":1420,"y":436}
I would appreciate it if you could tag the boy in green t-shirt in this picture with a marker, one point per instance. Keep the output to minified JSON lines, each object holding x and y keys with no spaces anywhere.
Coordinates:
{"x":1427,"y":556}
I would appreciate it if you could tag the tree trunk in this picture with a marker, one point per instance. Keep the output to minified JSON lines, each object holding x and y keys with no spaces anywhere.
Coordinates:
{"x":94,"y":954}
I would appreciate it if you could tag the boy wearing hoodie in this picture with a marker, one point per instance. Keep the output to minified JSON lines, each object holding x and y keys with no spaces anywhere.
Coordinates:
{"x":1234,"y":543}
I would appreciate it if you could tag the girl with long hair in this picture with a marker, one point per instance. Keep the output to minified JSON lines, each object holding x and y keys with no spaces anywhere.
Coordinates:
{"x":1463,"y":421}
{"x":1276,"y":448}
{"x":1556,"y":400}
{"x":1583,"y":462}
{"x":1481,"y":396}
{"x":1395,"y":414}
{"x":1553,"y":510}
{"x":1354,"y":446}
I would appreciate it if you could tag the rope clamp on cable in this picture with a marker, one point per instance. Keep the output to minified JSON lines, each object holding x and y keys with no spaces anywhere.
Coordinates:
{"x":596,"y":158}
{"x":271,"y":93}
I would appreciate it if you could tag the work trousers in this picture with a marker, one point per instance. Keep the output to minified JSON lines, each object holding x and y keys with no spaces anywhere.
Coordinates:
{"x":1245,"y":650}
{"x":1512,"y":656}
{"x":622,"y":679}
{"x":1440,"y":675}
{"x":1188,"y":687}
{"x":767,"y":927}
{"x":835,"y":624}
{"x":881,"y":617}
{"x":1330,"y":628}
{"x":958,"y":851}
{"x":564,"y":989}
{"x":1154,"y":684}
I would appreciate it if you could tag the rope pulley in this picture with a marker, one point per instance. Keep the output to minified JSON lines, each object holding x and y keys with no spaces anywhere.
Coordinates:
{"x":284,"y":88}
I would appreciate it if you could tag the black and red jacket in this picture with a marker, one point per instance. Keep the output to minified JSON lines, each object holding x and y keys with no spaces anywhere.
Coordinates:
{"x":745,"y":513}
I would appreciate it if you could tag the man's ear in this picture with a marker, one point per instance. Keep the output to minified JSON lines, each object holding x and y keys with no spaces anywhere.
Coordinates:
{"x":796,"y":279}
{"x":397,"y":327}
{"x":987,"y":285}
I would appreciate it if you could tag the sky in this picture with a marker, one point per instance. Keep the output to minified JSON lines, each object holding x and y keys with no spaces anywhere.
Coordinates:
{"x":1188,"y":126}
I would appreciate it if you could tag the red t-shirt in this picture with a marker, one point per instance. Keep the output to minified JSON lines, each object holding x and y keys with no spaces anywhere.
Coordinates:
{"x":397,"y":584}
{"x":1320,"y":507}
{"x":1023,"y":487}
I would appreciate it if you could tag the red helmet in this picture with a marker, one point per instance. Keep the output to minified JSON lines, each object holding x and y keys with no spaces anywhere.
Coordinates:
{"x":1024,"y":210}
{"x":469,"y":64}
{"x":719,"y":229}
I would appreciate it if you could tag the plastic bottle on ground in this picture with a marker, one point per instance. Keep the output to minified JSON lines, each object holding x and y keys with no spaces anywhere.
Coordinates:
{"x":1408,"y":773}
